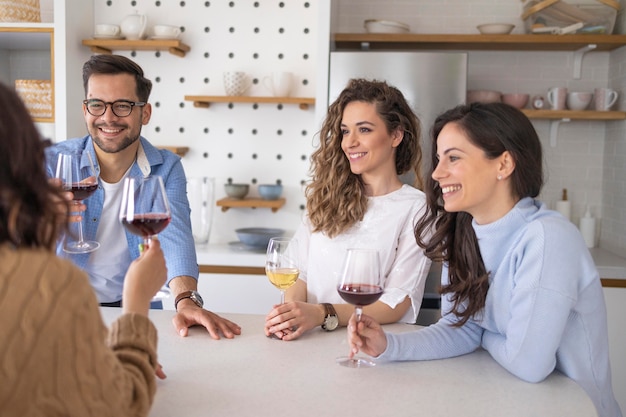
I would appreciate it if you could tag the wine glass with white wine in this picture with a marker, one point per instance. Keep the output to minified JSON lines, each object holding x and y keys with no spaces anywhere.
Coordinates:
{"x":281,"y":265}
{"x":360,"y":285}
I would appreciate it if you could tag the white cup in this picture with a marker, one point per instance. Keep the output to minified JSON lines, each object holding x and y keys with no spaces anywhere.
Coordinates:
{"x":578,"y":100}
{"x":201,"y":194}
{"x":166,"y":31}
{"x":556,"y":97}
{"x":104,"y":29}
{"x":604,"y":98}
{"x":279,"y":83}
{"x":235,"y":83}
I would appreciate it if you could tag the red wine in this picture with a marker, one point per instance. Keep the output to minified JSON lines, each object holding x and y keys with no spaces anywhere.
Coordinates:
{"x":146,"y":225}
{"x":360,"y":294}
{"x":82,"y":191}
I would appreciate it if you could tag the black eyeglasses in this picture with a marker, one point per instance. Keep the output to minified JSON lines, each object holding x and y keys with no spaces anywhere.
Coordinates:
{"x":120,"y":108}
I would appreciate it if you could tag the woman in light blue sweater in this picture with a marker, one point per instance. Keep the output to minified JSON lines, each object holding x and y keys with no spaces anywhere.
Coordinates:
{"x":517,"y":278}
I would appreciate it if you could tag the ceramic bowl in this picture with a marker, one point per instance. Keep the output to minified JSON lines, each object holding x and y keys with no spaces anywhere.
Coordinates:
{"x":578,"y":100}
{"x":495,"y":28}
{"x":517,"y":100}
{"x":236,"y":190}
{"x":385,"y":26}
{"x":257,"y":237}
{"x":270,"y":191}
{"x":483,"y":96}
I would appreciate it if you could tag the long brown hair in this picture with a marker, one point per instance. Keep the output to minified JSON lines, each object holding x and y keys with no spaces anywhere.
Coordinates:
{"x":30,"y":207}
{"x":336,"y":198}
{"x":495,"y":128}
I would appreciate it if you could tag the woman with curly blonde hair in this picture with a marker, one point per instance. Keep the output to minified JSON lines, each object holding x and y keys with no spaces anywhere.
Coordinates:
{"x":356,"y":198}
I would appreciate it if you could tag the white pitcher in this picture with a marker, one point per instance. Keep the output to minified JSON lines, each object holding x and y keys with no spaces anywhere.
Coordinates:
{"x":133,"y":26}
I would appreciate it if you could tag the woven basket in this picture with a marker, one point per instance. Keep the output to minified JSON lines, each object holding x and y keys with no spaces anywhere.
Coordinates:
{"x":37,"y":95}
{"x":20,"y":11}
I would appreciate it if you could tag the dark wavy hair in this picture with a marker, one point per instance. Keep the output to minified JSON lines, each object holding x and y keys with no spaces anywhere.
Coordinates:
{"x":494,"y":128}
{"x":117,"y":64}
{"x":336,"y":198}
{"x":29,"y":205}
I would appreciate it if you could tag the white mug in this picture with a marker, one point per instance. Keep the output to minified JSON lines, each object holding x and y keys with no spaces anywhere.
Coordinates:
{"x":556,"y":97}
{"x":279,"y":83}
{"x":166,"y":31}
{"x":104,"y":29}
{"x":235,"y":83}
{"x":604,"y":98}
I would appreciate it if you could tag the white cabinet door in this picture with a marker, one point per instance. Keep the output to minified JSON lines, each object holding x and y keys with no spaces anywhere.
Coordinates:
{"x":616,"y":316}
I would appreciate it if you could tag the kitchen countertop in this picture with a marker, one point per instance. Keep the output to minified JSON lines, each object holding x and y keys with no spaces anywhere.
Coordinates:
{"x":610,"y":266}
{"x":253,"y":375}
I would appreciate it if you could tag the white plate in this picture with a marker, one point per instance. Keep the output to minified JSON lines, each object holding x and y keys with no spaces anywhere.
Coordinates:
{"x":163,"y":38}
{"x":95,"y":36}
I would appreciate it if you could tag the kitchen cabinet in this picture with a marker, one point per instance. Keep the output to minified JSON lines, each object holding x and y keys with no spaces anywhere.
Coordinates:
{"x":205,"y":101}
{"x":107,"y":46}
{"x":616,"y":314}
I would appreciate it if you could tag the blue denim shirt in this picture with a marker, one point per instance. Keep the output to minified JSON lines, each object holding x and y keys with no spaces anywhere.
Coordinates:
{"x":176,"y":240}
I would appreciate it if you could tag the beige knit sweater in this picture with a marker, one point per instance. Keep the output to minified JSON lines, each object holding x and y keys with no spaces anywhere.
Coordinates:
{"x":56,"y":356}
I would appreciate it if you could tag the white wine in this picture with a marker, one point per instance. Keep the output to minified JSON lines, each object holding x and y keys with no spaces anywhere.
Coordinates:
{"x":282,"y":278}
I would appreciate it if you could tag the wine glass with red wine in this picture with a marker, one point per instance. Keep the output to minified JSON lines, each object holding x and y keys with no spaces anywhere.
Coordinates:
{"x":360,"y":285}
{"x":145,"y":211}
{"x":78,"y":175}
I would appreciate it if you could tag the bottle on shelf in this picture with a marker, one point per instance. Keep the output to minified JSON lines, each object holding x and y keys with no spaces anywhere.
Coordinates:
{"x":587,"y":228}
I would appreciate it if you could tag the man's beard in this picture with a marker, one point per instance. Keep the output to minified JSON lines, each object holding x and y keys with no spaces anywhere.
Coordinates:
{"x":123,"y":145}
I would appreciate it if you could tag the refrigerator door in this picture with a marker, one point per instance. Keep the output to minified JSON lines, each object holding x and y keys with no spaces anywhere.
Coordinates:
{"x":432,"y":82}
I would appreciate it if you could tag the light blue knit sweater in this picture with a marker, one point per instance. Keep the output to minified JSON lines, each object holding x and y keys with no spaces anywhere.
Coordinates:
{"x":545,"y":307}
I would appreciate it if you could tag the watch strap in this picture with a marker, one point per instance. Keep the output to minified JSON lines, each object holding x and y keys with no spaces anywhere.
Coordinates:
{"x":190,"y":295}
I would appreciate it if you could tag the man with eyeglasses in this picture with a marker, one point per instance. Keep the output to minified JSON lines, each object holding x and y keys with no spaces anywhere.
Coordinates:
{"x":115,"y":108}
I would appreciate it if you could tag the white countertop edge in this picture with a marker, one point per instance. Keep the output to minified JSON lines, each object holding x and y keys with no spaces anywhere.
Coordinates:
{"x":610,"y":266}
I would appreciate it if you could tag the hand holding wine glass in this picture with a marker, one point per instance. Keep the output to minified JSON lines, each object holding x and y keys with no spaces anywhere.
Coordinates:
{"x":360,"y":285}
{"x":78,"y":175}
{"x":145,"y":210}
{"x":281,"y":266}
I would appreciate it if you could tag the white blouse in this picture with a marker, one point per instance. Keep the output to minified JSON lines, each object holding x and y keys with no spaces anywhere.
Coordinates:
{"x":387,"y":226}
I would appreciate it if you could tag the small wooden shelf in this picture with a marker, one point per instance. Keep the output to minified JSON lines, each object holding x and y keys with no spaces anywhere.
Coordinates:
{"x":107,"y":46}
{"x":178,"y":150}
{"x":517,"y":42}
{"x":205,"y":101}
{"x":228,"y":203}
{"x":574,"y":114}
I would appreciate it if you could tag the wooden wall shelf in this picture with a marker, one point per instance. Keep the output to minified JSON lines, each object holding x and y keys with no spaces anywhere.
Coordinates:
{"x":228,"y":203}
{"x":107,"y":46}
{"x":205,"y":101}
{"x":574,"y":114}
{"x":178,"y":150}
{"x":468,"y":42}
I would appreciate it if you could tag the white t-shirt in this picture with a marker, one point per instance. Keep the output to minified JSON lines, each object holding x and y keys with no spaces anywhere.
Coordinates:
{"x":108,"y":265}
{"x":386,"y":226}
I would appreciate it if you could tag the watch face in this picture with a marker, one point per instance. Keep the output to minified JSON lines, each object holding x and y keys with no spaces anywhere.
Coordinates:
{"x":331,"y":322}
{"x":196,"y":298}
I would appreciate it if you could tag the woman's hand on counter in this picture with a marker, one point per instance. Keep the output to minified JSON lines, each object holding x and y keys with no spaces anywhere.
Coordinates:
{"x":291,"y":320}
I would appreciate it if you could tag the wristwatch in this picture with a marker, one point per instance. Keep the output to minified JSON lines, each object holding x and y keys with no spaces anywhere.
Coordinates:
{"x":192,"y":295}
{"x":331,"y":321}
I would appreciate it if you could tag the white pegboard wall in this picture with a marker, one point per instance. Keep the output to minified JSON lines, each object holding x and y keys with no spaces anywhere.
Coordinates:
{"x":242,"y":142}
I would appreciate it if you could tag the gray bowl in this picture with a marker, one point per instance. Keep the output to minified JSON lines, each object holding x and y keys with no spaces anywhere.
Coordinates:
{"x":257,"y":237}
{"x":270,"y":191}
{"x":238,"y":191}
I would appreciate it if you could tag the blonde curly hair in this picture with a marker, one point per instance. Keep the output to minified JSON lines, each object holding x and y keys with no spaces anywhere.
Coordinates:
{"x":336,"y":198}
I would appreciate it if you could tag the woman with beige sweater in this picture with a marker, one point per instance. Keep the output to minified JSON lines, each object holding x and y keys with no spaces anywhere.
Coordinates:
{"x":57,"y":358}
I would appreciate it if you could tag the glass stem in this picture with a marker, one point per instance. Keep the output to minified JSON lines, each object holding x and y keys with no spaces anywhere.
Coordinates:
{"x":282,"y":296}
{"x":80,"y":229}
{"x":359,"y":311}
